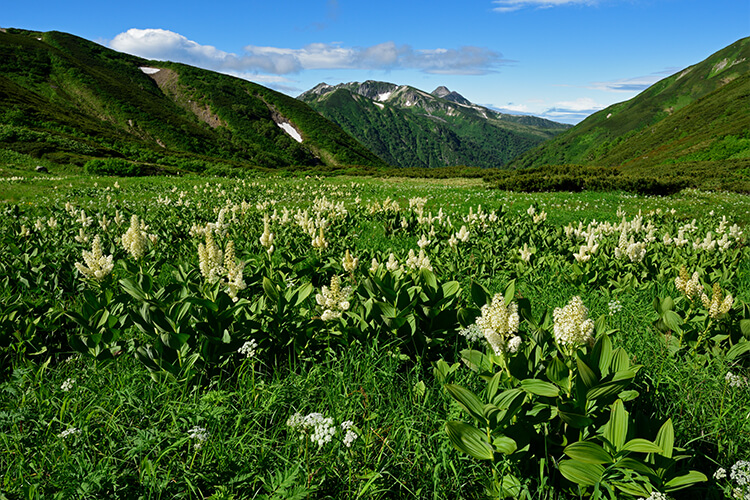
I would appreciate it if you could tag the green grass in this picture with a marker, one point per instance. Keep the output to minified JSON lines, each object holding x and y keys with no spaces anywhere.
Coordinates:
{"x":134,"y":439}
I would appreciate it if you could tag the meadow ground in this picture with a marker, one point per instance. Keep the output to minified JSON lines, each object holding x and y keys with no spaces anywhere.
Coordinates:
{"x":185,"y":337}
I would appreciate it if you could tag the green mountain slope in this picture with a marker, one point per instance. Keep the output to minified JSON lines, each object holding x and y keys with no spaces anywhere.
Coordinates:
{"x":700,"y":114}
{"x":68,"y":100}
{"x":411,"y":128}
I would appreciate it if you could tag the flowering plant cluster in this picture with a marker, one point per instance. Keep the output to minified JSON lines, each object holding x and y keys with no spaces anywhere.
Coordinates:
{"x":321,"y":429}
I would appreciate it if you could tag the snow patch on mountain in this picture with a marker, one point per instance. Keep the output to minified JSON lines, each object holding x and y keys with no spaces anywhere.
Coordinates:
{"x":289,"y":129}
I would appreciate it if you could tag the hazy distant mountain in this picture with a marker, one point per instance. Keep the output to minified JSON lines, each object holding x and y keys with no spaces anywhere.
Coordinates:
{"x":408,"y":127}
{"x":699,"y":114}
{"x":69,"y":100}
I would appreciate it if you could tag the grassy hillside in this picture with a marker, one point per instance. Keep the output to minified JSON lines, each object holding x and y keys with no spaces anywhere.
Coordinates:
{"x":68,"y":100}
{"x":410,"y":128}
{"x":698,"y":115}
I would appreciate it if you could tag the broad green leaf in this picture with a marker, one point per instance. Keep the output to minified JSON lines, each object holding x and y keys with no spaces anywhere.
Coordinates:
{"x":606,"y":390}
{"x":132,"y":289}
{"x":470,"y":440}
{"x":745,"y":328}
{"x":504,"y":445}
{"x":476,"y":360}
{"x":738,"y":350}
{"x":633,"y":464}
{"x":636,"y":488}
{"x":468,"y":400}
{"x":303,"y":292}
{"x":451,"y":288}
{"x":588,"y":452}
{"x":620,"y":360}
{"x":479,"y":294}
{"x":587,"y":375}
{"x":575,"y":420}
{"x":540,"y":388}
{"x":665,"y":439}
{"x":428,"y":278}
{"x":581,"y":473}
{"x":510,"y":292}
{"x":616,"y":430}
{"x":672,"y":320}
{"x":685,"y":480}
{"x":509,"y":486}
{"x":640,"y":445}
{"x":603,"y":350}
{"x":557,"y":372}
{"x":493,"y":384}
{"x":270,"y":289}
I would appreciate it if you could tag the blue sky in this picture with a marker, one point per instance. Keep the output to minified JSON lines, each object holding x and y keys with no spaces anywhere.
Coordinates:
{"x":561,"y":59}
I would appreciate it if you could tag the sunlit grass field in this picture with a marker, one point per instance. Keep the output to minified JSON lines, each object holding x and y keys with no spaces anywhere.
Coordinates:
{"x":187,"y":337}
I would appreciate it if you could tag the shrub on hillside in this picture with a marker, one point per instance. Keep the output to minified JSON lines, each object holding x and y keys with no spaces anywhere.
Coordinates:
{"x":113,"y":166}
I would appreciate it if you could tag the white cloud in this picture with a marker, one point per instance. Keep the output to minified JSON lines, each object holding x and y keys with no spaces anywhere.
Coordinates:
{"x":630,"y":85}
{"x":166,"y":45}
{"x":513,"y":5}
{"x":572,"y":111}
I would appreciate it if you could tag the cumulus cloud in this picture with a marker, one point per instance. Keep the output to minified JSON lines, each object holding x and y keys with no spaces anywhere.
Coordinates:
{"x":636,"y":84}
{"x":572,"y":111}
{"x":513,"y":5}
{"x":166,"y":45}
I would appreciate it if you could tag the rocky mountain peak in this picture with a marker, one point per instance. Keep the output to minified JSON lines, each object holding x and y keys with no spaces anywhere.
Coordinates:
{"x":443,"y":93}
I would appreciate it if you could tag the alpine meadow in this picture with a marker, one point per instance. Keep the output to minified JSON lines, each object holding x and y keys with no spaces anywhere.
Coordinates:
{"x":213,"y":290}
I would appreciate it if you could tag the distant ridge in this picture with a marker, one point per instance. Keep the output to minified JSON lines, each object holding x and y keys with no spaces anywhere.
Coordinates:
{"x":697,"y":116}
{"x":70,"y":100}
{"x":409,"y":127}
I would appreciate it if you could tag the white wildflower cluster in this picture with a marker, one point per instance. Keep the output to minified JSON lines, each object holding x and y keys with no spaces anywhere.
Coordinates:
{"x":374,"y":265}
{"x":320,"y":429}
{"x":423,"y":242}
{"x":349,"y":263}
{"x":234,"y":272}
{"x":525,"y":252}
{"x":690,"y":286}
{"x":499,"y":324}
{"x":199,"y":435}
{"x":67,"y":385}
{"x":417,"y":262}
{"x":587,"y":249}
{"x":388,"y":205}
{"x":536,"y":217}
{"x":633,"y":250}
{"x":655,"y":495}
{"x":266,"y":239}
{"x":392,"y":265}
{"x":572,"y":325}
{"x":95,"y":264}
{"x":217,"y":265}
{"x":248,"y":348}
{"x":319,"y":241}
{"x":480,"y":218}
{"x":136,"y":238}
{"x":740,"y":475}
{"x":614,"y":306}
{"x":349,"y":435}
{"x":471,"y":332}
{"x":210,"y":258}
{"x":72,"y":431}
{"x":334,"y":299}
{"x":735,"y":381}
{"x":462,"y":235}
{"x":82,"y":236}
{"x":717,"y":304}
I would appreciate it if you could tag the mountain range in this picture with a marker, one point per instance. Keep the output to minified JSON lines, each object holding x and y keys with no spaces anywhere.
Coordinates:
{"x":697,"y":115}
{"x":408,"y":127}
{"x":68,"y":100}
